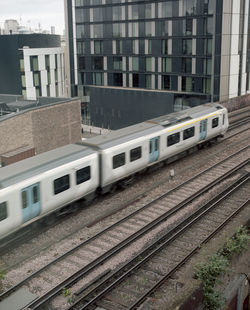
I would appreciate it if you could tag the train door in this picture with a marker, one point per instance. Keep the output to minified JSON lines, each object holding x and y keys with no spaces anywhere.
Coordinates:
{"x":31,"y":205}
{"x":154,"y":146}
{"x":203,"y":129}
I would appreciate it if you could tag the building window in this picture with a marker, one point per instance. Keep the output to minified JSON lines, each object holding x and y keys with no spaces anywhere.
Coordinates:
{"x":166,"y":82}
{"x":148,"y":80}
{"x":207,"y":66}
{"x":3,"y":211}
{"x":82,"y":175}
{"x":79,"y":31}
{"x":188,"y":133}
{"x":117,"y":63}
{"x":82,"y":78}
{"x":190,"y":7}
{"x":207,"y":86}
{"x":149,"y":29}
{"x":187,"y":46}
{"x":61,"y":184}
{"x":117,"y":30}
{"x":208,"y":25}
{"x":97,"y":63}
{"x":98,"y":47}
{"x":98,"y":78}
{"x":187,"y":65}
{"x":117,"y":12}
{"x":22,"y":65}
{"x":117,"y":79}
{"x":173,"y":139}
{"x":118,"y":160}
{"x":166,"y":9}
{"x":134,"y":11}
{"x":207,"y":46}
{"x":80,"y":47}
{"x":98,"y":30}
{"x":148,"y":11}
{"x":135,"y":80}
{"x":187,"y":83}
{"x":81,"y":63}
{"x":208,"y":6}
{"x":163,"y":28}
{"x":135,"y":63}
{"x":118,"y":44}
{"x":164,"y":47}
{"x":188,"y":27}
{"x":149,"y":46}
{"x":49,"y":77}
{"x":97,"y":15}
{"x":34,"y":63}
{"x":135,"y":46}
{"x":148,"y":63}
{"x":133,"y":29}
{"x":23,"y":81}
{"x":36,"y":79}
{"x":47,"y":62}
{"x":166,"y":64}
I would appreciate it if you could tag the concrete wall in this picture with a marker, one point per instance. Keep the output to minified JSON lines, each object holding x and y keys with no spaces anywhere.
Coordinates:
{"x":44,"y":128}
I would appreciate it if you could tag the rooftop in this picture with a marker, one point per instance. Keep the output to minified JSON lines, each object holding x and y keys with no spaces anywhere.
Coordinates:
{"x":11,"y":105}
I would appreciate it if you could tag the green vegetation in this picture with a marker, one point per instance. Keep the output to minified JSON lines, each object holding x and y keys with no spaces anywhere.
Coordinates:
{"x":67,"y":293}
{"x":217,"y":265}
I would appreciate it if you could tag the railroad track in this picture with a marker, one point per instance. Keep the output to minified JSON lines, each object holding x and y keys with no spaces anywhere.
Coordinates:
{"x":15,"y":239}
{"x":97,"y":250}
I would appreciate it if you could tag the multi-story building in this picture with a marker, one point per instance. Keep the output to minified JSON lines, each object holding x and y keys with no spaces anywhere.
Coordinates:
{"x":196,"y":49}
{"x":32,"y":65}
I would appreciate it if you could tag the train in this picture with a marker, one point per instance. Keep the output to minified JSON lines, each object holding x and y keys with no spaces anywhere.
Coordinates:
{"x":36,"y":187}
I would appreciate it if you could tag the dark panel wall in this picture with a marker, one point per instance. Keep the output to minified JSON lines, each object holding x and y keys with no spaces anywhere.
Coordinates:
{"x":118,"y":108}
{"x":10,"y":80}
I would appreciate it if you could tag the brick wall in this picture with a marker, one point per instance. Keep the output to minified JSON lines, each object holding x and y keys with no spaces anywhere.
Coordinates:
{"x":236,"y":103}
{"x":44,"y":128}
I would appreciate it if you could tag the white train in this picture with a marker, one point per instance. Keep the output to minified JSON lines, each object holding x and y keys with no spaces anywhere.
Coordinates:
{"x":35,"y":187}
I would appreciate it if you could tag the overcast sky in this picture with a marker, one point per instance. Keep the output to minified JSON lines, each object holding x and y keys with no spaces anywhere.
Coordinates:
{"x":32,"y":12}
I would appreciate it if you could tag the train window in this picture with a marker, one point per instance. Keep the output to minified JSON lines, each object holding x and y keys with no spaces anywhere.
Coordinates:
{"x":135,"y":153}
{"x":188,"y":133}
{"x":3,"y":211}
{"x":61,"y":184}
{"x":150,"y":146}
{"x":173,"y":139}
{"x":35,"y":194}
{"x":118,"y":160}
{"x":215,"y":122}
{"x":223,"y":122}
{"x":156,"y":145}
{"x":82,"y":175}
{"x":24,"y":200}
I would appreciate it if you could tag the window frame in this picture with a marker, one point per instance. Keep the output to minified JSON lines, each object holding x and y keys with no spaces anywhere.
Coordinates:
{"x":119,"y":160}
{"x":60,"y":189}
{"x":215,"y":122}
{"x":188,"y":133}
{"x":175,"y":141}
{"x":4,"y":214}
{"x":82,"y":178}
{"x":135,"y":153}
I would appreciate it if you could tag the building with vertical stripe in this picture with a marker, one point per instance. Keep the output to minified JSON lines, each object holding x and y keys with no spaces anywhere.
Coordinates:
{"x":32,"y":65}
{"x":194,"y":49}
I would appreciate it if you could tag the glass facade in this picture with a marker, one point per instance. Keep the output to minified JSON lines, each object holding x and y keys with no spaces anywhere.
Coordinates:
{"x":135,"y":38}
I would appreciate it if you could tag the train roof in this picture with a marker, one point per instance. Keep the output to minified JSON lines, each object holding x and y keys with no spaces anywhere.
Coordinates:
{"x":122,"y":135}
{"x":154,"y":125}
{"x":40,"y":163}
{"x":185,"y":115}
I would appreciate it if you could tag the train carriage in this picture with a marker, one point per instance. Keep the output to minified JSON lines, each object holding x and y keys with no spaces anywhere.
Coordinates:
{"x":39,"y":185}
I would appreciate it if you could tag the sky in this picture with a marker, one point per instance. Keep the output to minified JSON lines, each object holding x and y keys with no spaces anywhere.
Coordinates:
{"x":30,"y":13}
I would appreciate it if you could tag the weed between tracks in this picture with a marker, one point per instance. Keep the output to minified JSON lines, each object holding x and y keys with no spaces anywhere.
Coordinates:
{"x":217,"y":266}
